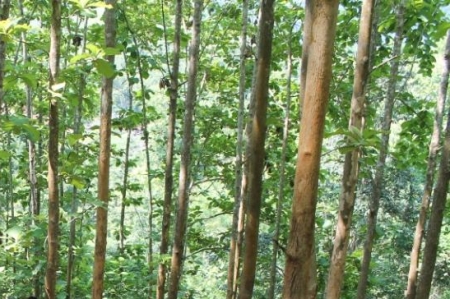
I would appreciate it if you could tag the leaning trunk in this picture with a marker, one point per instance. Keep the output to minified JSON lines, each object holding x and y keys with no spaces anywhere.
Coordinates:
{"x":431,"y":165}
{"x":351,"y":163}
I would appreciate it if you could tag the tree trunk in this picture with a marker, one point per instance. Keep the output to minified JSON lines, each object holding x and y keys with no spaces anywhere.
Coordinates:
{"x":300,"y":277}
{"x":284,"y":147}
{"x":183,"y":195}
{"x":53,"y":195}
{"x":168,"y":176}
{"x":4,"y":14}
{"x":104,"y":157}
{"x":256,"y":151}
{"x":232,"y":261}
{"x":379,"y":171}
{"x":429,"y":179}
{"x":74,"y":204}
{"x":436,"y":217}
{"x":351,"y":163}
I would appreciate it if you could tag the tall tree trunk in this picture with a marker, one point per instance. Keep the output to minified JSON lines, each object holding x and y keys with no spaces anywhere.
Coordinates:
{"x":168,"y":176}
{"x":300,"y":277}
{"x":183,"y":194}
{"x":351,"y":163}
{"x":125,"y":167}
{"x":74,"y":203}
{"x":4,"y":14}
{"x":103,"y":163}
{"x":232,"y":262}
{"x":53,"y":195}
{"x":256,"y":151}
{"x":284,"y":147}
{"x":379,"y":171}
{"x":429,"y":179}
{"x":436,"y":217}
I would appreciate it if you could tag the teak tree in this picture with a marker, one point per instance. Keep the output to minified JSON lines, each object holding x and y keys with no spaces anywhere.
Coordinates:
{"x":168,"y":175}
{"x":299,"y":275}
{"x":104,"y":158}
{"x":377,"y":183}
{"x":52,"y":177}
{"x":429,"y":179}
{"x":183,"y":190}
{"x":351,"y":163}
{"x":256,"y":148}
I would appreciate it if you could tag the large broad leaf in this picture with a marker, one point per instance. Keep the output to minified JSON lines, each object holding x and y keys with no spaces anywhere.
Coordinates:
{"x":4,"y":155}
{"x":104,"y":68}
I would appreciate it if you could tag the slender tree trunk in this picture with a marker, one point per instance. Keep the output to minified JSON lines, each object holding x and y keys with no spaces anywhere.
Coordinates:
{"x":436,"y":217}
{"x":4,"y":14}
{"x":183,"y":194}
{"x":126,"y":168}
{"x":232,"y":263}
{"x":379,"y":171}
{"x":300,"y":277}
{"x":168,"y":177}
{"x":103,"y":163}
{"x":53,"y":195}
{"x":429,"y":179}
{"x":351,"y":163}
{"x":74,"y":203}
{"x":276,"y":249}
{"x":256,"y":151}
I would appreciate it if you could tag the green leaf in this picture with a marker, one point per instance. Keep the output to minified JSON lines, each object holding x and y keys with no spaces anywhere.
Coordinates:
{"x":77,"y":182}
{"x":104,"y":68}
{"x":4,"y":155}
{"x":100,"y":4}
{"x":112,"y":51}
{"x":79,"y":57}
{"x":73,"y":138}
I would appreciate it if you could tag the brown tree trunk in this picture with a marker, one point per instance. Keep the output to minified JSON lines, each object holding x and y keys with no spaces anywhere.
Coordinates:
{"x":351,"y":163}
{"x":379,"y":171}
{"x":284,"y":147}
{"x":183,"y":194}
{"x":232,"y":261}
{"x":299,"y":276}
{"x":168,"y":176}
{"x":53,"y":195}
{"x":429,"y":179}
{"x":256,"y":151}
{"x":104,"y":157}
{"x":4,"y":14}
{"x":436,"y":217}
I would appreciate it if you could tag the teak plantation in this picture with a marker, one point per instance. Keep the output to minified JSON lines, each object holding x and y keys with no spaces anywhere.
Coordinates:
{"x":211,"y":149}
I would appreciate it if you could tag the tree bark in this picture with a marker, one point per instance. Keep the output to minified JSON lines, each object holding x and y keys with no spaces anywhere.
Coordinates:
{"x":233,"y":263}
{"x":53,"y":195}
{"x":168,"y":176}
{"x":4,"y":14}
{"x":379,"y":171}
{"x":284,"y":147}
{"x":300,"y":276}
{"x":256,"y":151}
{"x":183,"y":194}
{"x":104,"y":159}
{"x":436,"y":217}
{"x":429,"y":179}
{"x":351,"y":163}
